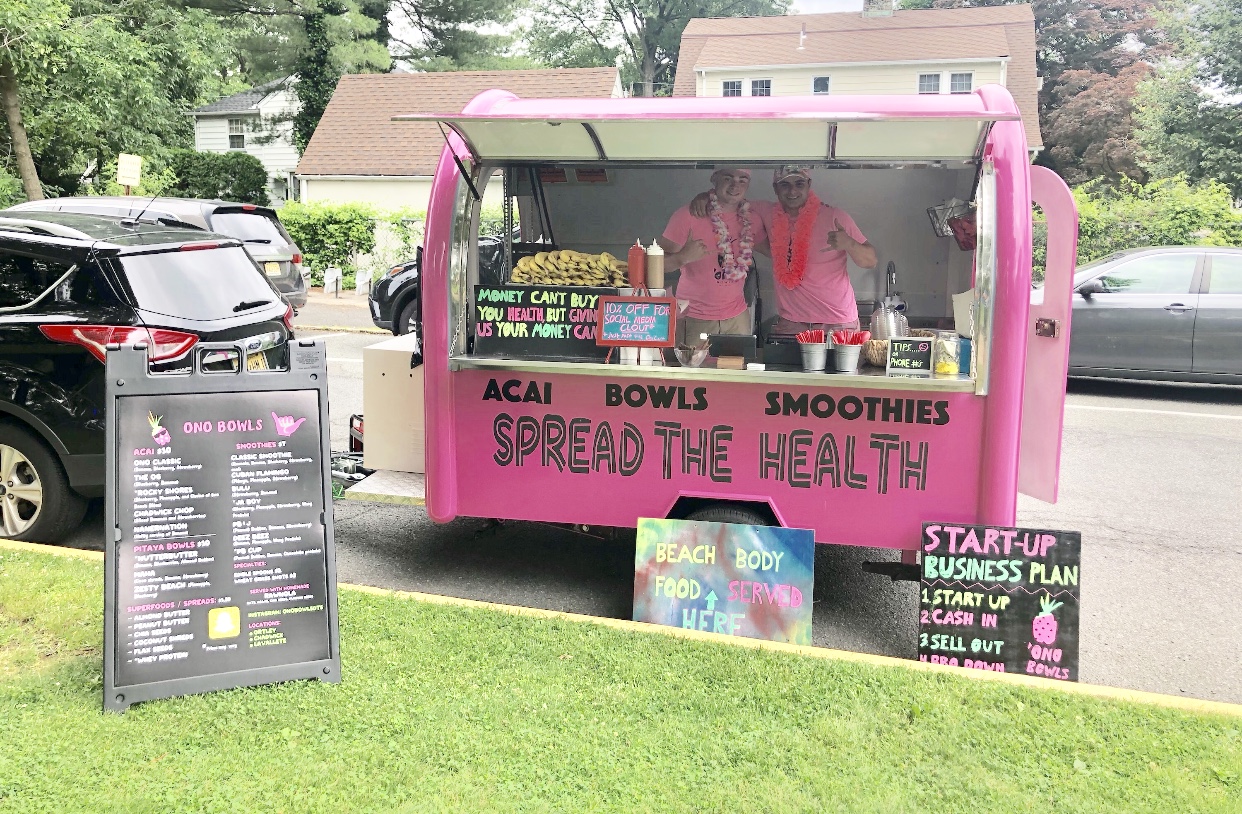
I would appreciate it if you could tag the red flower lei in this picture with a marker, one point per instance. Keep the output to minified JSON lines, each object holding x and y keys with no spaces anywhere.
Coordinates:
{"x":789,"y":266}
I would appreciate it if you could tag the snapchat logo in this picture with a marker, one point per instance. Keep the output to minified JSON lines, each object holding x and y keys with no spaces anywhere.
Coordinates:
{"x":223,"y":623}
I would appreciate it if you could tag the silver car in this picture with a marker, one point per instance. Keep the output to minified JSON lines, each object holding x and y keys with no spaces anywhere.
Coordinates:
{"x":256,"y":226}
{"x":1169,"y":313}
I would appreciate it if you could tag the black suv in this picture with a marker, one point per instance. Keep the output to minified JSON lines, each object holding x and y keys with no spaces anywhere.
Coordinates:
{"x":69,"y":285}
{"x":266,"y":238}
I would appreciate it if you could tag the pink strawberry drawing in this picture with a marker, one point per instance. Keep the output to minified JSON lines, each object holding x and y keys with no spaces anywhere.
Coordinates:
{"x":1044,"y":626}
{"x":160,"y":434}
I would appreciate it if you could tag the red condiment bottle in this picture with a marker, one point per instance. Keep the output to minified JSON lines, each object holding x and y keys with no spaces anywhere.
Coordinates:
{"x":637,"y":260}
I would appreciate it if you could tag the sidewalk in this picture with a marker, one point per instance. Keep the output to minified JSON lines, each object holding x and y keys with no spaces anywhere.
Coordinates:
{"x":346,"y":311}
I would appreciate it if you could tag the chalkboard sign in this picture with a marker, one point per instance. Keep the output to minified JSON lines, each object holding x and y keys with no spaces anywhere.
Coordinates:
{"x":753,"y":581}
{"x":221,"y":570}
{"x":537,"y":322}
{"x":910,"y":354}
{"x":1000,"y":599}
{"x":644,"y":322}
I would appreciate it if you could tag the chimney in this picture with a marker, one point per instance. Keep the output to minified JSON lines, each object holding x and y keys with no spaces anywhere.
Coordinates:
{"x":877,"y":8}
{"x":802,"y":38}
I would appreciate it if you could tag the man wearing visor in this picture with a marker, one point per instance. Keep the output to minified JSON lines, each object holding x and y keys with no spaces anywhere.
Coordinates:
{"x":809,"y":242}
{"x":715,"y":254}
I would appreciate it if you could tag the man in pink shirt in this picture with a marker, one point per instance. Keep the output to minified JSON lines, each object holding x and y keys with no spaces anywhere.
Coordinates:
{"x":810,"y":243}
{"x":714,"y":254}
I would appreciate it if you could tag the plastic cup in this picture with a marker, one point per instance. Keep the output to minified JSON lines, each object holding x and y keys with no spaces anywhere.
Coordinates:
{"x":846,"y":358}
{"x":814,"y":355}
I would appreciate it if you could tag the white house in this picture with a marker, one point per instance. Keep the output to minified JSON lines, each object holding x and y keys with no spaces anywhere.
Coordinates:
{"x":904,"y":51}
{"x":258,"y":121}
{"x":358,"y":153}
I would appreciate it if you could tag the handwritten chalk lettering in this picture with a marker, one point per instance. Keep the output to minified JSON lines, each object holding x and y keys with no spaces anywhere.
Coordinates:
{"x":948,"y":618}
{"x":658,"y":396}
{"x":510,"y":295}
{"x":934,"y":659}
{"x":678,"y":588}
{"x":758,"y":560}
{"x":788,"y":457}
{"x":852,"y":408}
{"x":673,"y":553}
{"x":1043,"y":574}
{"x":952,"y":598}
{"x":971,"y":569}
{"x":715,"y":621}
{"x":944,"y":642}
{"x":1000,"y":541}
{"x":509,"y":391}
{"x":761,"y":593}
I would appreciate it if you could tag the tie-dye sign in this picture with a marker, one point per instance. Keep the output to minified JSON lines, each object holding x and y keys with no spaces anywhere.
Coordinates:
{"x":753,"y":581}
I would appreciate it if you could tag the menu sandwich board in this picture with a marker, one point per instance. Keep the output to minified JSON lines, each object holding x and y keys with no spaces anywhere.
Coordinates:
{"x":741,"y":580}
{"x":219,"y":568}
{"x":537,"y":322}
{"x":1001,"y":599}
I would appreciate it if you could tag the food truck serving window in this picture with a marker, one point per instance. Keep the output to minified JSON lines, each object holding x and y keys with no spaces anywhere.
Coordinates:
{"x":529,"y":292}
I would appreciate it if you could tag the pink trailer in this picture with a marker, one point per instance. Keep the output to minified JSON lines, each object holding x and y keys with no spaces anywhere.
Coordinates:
{"x":862,"y":459}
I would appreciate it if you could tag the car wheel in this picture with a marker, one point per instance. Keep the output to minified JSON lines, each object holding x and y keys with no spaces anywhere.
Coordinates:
{"x":36,"y":503}
{"x":730,"y":513}
{"x":407,"y":322}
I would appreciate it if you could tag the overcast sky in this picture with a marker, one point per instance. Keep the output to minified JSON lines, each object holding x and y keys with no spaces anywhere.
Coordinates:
{"x":821,"y":6}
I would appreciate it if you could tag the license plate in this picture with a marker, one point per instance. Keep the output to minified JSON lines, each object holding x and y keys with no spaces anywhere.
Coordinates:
{"x":256,"y":361}
{"x":272,"y":268}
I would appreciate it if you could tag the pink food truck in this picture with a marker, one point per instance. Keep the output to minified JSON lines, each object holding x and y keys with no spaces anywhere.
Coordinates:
{"x":527,"y":417}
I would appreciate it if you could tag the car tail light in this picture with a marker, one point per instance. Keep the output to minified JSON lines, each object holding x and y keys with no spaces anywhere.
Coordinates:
{"x":162,"y":345}
{"x":195,"y":247}
{"x":249,"y":207}
{"x":297,"y":259}
{"x":288,"y":318}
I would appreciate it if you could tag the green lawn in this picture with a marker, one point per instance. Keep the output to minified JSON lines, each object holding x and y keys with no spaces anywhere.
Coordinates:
{"x":446,"y":708}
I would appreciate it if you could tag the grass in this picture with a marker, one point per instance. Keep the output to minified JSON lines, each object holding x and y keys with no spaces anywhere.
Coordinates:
{"x":447,"y":708}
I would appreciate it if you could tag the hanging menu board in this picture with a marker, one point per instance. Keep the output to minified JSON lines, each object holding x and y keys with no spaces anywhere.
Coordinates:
{"x":753,"y":581}
{"x":221,"y":573}
{"x":537,"y":322}
{"x":910,"y":355}
{"x":644,"y":322}
{"x":1000,"y":599}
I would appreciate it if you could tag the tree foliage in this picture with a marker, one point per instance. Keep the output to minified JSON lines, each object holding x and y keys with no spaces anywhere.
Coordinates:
{"x":330,"y":234}
{"x":234,"y":176}
{"x":454,"y":35}
{"x":645,"y":34}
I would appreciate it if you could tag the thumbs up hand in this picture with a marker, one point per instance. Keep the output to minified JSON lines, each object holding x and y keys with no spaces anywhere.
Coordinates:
{"x":838,"y":238}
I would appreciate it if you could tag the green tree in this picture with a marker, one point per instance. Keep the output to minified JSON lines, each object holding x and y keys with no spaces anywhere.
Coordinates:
{"x":646,"y":34}
{"x":1189,"y":114}
{"x":447,"y":35}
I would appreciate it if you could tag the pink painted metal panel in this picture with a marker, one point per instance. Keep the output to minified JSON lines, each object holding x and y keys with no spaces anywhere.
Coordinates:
{"x":1003,"y":411}
{"x":1047,"y":358}
{"x":888,"y":460}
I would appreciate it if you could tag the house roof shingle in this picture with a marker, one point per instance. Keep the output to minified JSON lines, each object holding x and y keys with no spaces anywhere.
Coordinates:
{"x":985,"y":32}
{"x":356,"y":135}
{"x":245,"y":102}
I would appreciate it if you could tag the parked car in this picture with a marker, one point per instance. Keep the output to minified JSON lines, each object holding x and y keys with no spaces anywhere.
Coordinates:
{"x":1163,"y":313}
{"x":394,"y":300}
{"x":265,"y":236}
{"x":69,"y":285}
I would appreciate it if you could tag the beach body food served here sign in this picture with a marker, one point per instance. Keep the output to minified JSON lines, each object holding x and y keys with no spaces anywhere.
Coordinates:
{"x":537,"y":322}
{"x":753,"y":581}
{"x":1003,"y":599}
{"x":644,"y":322}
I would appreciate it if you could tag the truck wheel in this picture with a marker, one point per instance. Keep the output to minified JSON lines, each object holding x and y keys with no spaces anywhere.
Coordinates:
{"x":730,"y":513}
{"x":36,"y":503}
{"x":407,"y":320}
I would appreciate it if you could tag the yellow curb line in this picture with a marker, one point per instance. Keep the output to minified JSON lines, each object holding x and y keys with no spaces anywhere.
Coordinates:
{"x":340,"y":329}
{"x":1092,"y":690}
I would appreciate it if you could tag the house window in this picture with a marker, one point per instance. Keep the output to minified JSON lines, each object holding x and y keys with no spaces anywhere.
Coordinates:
{"x":731,"y":87}
{"x":761,"y":87}
{"x":961,"y":82}
{"x":929,"y":83}
{"x":237,"y":135}
{"x":820,"y":85}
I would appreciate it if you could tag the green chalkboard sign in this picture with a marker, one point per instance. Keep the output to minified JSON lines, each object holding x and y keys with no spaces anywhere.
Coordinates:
{"x":537,"y":322}
{"x":910,"y":355}
{"x":643,"y":322}
{"x":1001,"y":599}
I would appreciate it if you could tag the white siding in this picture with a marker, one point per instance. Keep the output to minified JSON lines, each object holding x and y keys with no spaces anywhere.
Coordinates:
{"x":211,"y":134}
{"x":383,"y":192}
{"x":850,"y":79}
{"x":279,"y":157}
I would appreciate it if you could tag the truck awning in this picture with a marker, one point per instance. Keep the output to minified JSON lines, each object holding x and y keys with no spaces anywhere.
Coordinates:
{"x":779,"y":129}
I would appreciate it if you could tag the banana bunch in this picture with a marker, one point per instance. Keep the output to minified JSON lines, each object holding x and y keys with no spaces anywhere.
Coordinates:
{"x":568,"y":267}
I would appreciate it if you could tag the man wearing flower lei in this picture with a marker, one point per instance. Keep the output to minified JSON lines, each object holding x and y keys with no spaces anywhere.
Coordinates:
{"x":714,"y":254}
{"x":810,"y":242}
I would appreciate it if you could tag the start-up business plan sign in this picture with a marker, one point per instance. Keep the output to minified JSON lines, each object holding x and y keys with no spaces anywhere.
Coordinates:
{"x":753,"y":581}
{"x":1003,"y":599}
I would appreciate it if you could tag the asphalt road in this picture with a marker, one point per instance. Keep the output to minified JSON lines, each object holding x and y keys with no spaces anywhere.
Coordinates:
{"x":1150,"y":477}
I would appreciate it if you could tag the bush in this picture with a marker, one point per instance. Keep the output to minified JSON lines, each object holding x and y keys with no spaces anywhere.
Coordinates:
{"x":234,"y":176}
{"x":331,"y":234}
{"x":11,"y":190}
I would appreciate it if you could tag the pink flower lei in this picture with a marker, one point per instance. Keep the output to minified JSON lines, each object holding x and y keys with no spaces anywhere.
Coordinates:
{"x":735,"y":268}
